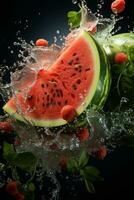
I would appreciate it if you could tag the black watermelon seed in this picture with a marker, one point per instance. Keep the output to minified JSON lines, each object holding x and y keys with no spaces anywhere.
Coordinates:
{"x":74,"y":54}
{"x":42,"y":85}
{"x":76,"y":68}
{"x":43,"y":105}
{"x":74,"y":87}
{"x":59,"y":103}
{"x":30,"y":98}
{"x":55,"y":85}
{"x":73,"y":74}
{"x":80,"y":70}
{"x":88,"y":69}
{"x":45,"y":93}
{"x":72,"y":95}
{"x":70,"y":62}
{"x":66,"y":101}
{"x":78,"y":81}
{"x":62,"y":62}
{"x":77,"y":59}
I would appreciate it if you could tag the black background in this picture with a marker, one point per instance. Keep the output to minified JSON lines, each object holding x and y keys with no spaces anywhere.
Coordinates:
{"x":44,"y":18}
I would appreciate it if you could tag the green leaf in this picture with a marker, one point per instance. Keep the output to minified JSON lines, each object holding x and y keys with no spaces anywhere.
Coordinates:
{"x":72,"y":165}
{"x":89,"y":186}
{"x":8,"y":152}
{"x":25,"y":161}
{"x":74,"y":18}
{"x":83,"y":160}
{"x":91,"y":173}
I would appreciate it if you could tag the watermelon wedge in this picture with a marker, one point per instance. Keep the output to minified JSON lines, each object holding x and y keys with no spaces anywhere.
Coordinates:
{"x":78,"y":79}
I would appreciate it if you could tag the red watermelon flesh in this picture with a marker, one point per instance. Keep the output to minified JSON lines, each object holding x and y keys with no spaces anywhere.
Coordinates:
{"x":67,"y":82}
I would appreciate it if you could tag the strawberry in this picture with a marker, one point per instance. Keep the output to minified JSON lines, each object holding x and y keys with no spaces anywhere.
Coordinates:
{"x":118,"y":6}
{"x":6,"y":126}
{"x":120,"y":58}
{"x":11,"y":188}
{"x":83,"y":134}
{"x":68,"y":113}
{"x":41,"y":43}
{"x":101,"y":153}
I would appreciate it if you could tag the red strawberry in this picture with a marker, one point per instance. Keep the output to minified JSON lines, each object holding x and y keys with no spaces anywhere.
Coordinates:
{"x":41,"y":43}
{"x":19,"y":196}
{"x":83,"y":134}
{"x":6,"y":126}
{"x":101,"y":153}
{"x":68,"y":113}
{"x":11,"y":188}
{"x":120,"y":58}
{"x":118,"y":6}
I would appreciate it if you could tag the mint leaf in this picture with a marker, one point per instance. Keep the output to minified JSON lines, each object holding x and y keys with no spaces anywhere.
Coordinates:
{"x":8,"y":152}
{"x":74,"y":18}
{"x":25,"y":161}
{"x":72,"y":165}
{"x":89,"y":186}
{"x":92,"y":174}
{"x":83,"y":160}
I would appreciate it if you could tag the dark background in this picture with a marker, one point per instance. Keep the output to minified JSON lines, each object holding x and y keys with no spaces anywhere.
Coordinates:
{"x":44,"y":18}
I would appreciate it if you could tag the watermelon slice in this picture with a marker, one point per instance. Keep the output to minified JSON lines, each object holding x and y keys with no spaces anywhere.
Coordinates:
{"x":78,"y":79}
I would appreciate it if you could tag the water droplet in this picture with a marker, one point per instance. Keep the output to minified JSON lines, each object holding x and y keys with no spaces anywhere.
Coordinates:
{"x":58,"y":32}
{"x":74,"y":1}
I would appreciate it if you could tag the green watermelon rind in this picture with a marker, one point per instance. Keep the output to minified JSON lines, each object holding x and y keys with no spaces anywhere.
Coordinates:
{"x":104,"y":84}
{"x":95,"y":96}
